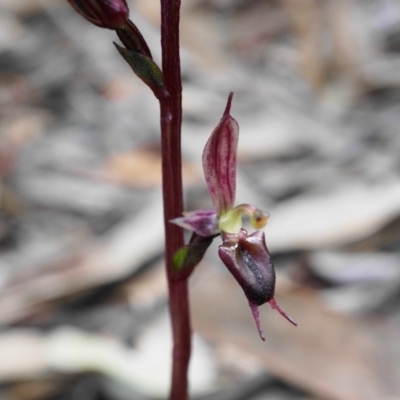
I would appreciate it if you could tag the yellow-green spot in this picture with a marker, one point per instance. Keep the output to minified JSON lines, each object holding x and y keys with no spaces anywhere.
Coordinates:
{"x":231,"y":221}
{"x":179,"y":258}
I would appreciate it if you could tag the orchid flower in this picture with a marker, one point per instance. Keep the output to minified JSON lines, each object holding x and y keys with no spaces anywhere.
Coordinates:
{"x":245,"y":256}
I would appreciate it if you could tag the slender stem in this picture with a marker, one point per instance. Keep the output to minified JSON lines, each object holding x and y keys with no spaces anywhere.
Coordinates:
{"x":171,"y":119}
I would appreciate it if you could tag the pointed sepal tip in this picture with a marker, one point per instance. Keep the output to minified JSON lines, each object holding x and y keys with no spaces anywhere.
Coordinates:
{"x":256,"y":315}
{"x":228,"y":105}
{"x":274,"y":305}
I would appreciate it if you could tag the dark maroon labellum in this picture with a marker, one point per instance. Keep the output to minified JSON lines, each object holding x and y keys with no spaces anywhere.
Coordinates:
{"x":248,"y":260}
{"x":250,"y":263}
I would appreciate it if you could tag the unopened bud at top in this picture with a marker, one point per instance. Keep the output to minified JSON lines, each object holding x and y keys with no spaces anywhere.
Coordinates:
{"x":111,"y":14}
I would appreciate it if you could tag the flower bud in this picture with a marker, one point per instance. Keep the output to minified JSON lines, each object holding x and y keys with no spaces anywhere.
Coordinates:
{"x":111,"y":14}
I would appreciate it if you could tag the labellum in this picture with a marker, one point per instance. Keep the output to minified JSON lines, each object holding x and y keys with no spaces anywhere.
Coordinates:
{"x":248,"y":260}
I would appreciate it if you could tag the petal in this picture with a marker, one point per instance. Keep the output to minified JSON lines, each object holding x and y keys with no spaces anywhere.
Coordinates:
{"x":219,"y":161}
{"x":249,"y":261}
{"x":202,"y":222}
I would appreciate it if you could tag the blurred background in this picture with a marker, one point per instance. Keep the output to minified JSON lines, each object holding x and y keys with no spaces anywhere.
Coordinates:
{"x":83,"y":306}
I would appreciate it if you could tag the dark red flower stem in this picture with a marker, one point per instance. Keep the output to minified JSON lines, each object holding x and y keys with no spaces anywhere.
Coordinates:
{"x":171,"y":120}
